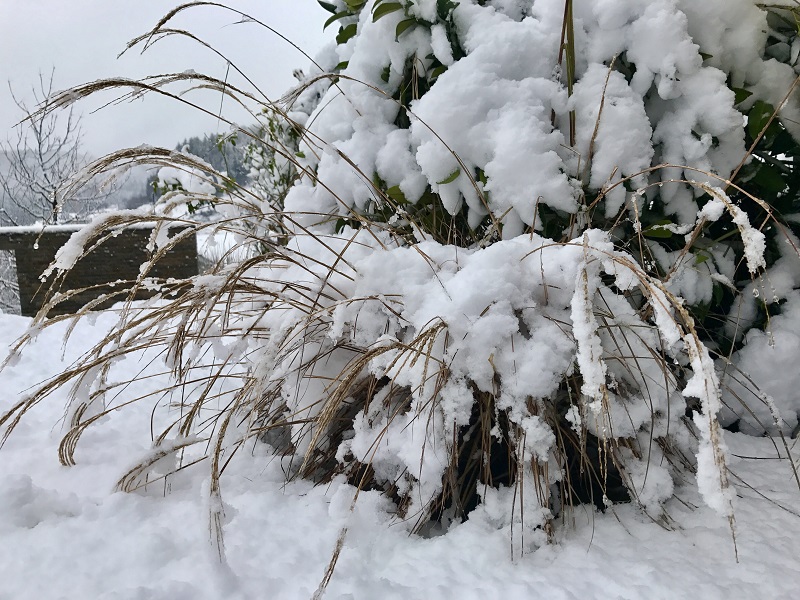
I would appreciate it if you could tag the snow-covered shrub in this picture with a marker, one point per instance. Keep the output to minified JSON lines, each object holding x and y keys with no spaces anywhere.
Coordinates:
{"x":497,"y":118}
{"x":526,"y":259}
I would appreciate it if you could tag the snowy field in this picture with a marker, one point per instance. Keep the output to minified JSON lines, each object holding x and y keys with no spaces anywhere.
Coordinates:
{"x":67,"y":534}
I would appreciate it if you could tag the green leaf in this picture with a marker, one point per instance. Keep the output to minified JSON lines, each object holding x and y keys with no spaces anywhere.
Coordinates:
{"x":331,"y":8}
{"x":402,"y":26}
{"x":717,"y":293}
{"x":444,"y":8}
{"x":740,"y":95}
{"x":385,"y":74}
{"x":346,"y":32}
{"x":657,"y":230}
{"x":436,"y":72}
{"x":700,"y":258}
{"x":769,"y":179}
{"x":758,"y":116}
{"x":336,"y":17}
{"x":355,"y":5}
{"x":706,"y":56}
{"x":450,"y":178}
{"x":396,"y":194}
{"x":300,"y":154}
{"x":784,"y":144}
{"x":387,"y":8}
{"x":658,"y":233}
{"x":700,"y":311}
{"x":342,"y":65}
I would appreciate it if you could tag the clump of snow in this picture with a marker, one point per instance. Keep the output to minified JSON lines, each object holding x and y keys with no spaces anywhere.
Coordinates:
{"x":754,"y":240}
{"x":650,"y":481}
{"x":712,"y":473}
{"x":614,"y":132}
{"x":193,"y":181}
{"x":508,"y":118}
{"x":764,"y":368}
{"x":712,"y":210}
{"x":584,"y":328}
{"x":25,"y":505}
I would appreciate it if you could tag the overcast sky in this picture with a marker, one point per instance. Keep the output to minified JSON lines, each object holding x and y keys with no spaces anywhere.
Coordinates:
{"x":80,"y":39}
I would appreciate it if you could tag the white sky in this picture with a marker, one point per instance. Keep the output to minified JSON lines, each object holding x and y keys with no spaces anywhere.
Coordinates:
{"x":80,"y":39}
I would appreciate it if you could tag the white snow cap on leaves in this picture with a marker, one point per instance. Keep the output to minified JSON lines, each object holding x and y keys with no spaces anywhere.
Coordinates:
{"x":191,"y":180}
{"x":492,"y":134}
{"x":614,"y":132}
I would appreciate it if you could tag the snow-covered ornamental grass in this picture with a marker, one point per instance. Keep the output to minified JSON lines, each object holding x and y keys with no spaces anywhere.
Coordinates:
{"x":509,"y":256}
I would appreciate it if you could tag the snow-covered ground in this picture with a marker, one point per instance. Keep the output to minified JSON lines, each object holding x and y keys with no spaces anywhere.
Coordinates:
{"x":67,"y":534}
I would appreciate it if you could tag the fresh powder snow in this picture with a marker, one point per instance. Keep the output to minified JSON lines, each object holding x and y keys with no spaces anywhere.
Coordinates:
{"x":68,"y":534}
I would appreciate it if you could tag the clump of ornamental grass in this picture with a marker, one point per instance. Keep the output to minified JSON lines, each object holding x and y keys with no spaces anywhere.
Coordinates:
{"x":418,"y":335}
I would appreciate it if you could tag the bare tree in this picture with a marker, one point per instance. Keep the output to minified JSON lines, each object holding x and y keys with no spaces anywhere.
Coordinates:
{"x":41,"y":158}
{"x":9,"y":286}
{"x":36,"y":162}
